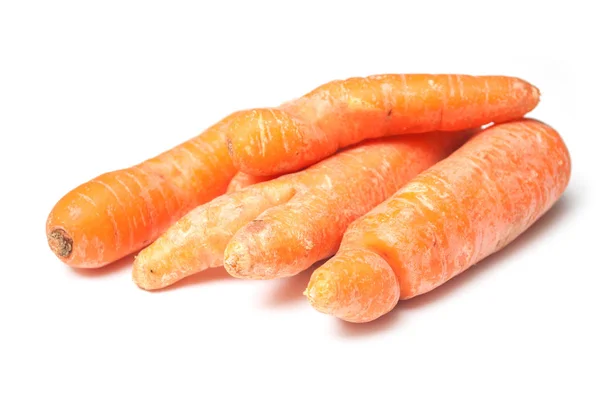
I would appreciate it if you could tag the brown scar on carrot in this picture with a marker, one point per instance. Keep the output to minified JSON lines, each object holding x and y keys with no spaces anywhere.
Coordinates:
{"x":229,"y":146}
{"x":60,"y":243}
{"x":255,"y":226}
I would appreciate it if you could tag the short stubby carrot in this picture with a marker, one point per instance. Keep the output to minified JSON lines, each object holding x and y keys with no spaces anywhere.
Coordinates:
{"x":446,"y":219}
{"x":118,"y":213}
{"x":243,"y":180}
{"x":281,"y":227}
{"x":340,"y":113}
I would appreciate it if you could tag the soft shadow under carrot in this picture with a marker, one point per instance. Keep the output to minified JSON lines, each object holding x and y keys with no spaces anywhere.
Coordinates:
{"x":211,"y":275}
{"x":289,"y":290}
{"x":112,"y":268}
{"x":363,"y":330}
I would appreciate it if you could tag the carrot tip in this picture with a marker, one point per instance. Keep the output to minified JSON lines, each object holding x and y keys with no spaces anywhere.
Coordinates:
{"x":322,"y":293}
{"x":235,"y":266}
{"x":143,"y":275}
{"x":60,"y":243}
{"x":239,"y":264}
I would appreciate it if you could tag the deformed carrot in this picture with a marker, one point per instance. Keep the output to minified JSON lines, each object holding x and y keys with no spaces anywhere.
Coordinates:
{"x":288,"y":239}
{"x":299,"y":133}
{"x":448,"y":218}
{"x":119,"y":212}
{"x":243,"y":180}
{"x":281,"y":227}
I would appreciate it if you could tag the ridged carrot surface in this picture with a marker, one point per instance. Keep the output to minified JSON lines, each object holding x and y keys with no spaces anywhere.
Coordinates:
{"x":448,"y":218}
{"x":282,"y":226}
{"x":119,"y":212}
{"x":243,"y":180}
{"x":299,"y":133}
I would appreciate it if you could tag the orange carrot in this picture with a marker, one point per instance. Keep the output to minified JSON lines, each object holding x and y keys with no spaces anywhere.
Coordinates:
{"x":285,"y":225}
{"x":299,"y":133}
{"x":448,"y":218}
{"x":243,"y":180}
{"x":119,"y":212}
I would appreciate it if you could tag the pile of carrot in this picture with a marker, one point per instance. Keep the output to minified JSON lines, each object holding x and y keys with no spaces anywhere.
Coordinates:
{"x":401,"y":181}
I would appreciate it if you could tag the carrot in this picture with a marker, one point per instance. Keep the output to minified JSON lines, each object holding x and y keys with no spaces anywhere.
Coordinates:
{"x":299,"y":133}
{"x":119,"y":212}
{"x":448,"y":218}
{"x":282,"y":226}
{"x":243,"y":180}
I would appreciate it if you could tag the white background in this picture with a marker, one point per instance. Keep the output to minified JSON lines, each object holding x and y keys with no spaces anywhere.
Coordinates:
{"x":87,"y":87}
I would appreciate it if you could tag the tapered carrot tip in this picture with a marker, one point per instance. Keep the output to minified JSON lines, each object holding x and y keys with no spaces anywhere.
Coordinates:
{"x":155,"y":267}
{"x":355,"y":285}
{"x":322,"y":292}
{"x":240,"y":259}
{"x":237,"y":261}
{"x":158,"y":266}
{"x":241,"y":262}
{"x":148,"y":277}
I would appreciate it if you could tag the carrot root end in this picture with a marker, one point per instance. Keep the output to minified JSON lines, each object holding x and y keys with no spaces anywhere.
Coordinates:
{"x":235,"y":266}
{"x":60,"y":243}
{"x":322,"y":293}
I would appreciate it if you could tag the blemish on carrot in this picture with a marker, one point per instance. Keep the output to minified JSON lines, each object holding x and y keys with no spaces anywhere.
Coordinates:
{"x":74,"y":211}
{"x":61,"y":243}
{"x":255,"y":226}
{"x":229,"y":146}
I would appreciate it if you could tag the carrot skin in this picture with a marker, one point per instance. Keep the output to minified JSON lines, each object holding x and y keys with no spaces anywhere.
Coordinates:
{"x":445,"y":220}
{"x":118,"y":213}
{"x":280,"y":227}
{"x":340,"y":113}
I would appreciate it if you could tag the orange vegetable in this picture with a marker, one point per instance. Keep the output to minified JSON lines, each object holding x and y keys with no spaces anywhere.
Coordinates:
{"x":281,"y":227}
{"x":299,"y":133}
{"x":243,"y":180}
{"x":448,"y":218}
{"x":119,"y":212}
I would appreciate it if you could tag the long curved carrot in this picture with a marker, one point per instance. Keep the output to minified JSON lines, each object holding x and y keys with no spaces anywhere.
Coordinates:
{"x":448,"y":218}
{"x":119,"y":212}
{"x":281,"y":227}
{"x":299,"y":133}
{"x":243,"y":180}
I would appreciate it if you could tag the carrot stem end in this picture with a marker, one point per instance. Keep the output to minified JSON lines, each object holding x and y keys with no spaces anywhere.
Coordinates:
{"x":60,"y":243}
